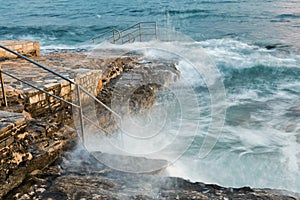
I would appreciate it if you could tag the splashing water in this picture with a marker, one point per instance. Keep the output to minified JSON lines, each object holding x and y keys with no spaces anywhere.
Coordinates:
{"x":259,"y":144}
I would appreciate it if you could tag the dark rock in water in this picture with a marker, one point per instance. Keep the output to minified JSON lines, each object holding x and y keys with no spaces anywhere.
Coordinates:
{"x":275,"y":46}
{"x":237,"y":115}
{"x":269,"y":47}
{"x":290,"y":128}
{"x":293,"y":111}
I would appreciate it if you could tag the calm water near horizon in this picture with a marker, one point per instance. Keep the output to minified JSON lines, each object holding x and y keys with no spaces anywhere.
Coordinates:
{"x":254,"y":44}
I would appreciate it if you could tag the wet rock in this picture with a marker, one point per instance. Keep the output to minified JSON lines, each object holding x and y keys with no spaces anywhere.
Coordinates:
{"x":133,"y":90}
{"x":294,"y":111}
{"x":82,"y":177}
{"x":237,"y":115}
{"x":143,"y":98}
{"x":290,"y":128}
{"x":131,"y":164}
{"x":30,"y":152}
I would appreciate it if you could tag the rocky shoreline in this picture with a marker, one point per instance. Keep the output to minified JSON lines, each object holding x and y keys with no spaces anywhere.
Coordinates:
{"x":55,"y":166}
{"x":78,"y":175}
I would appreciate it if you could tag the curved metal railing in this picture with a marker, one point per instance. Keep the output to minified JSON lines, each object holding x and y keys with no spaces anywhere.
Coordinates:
{"x":114,"y":32}
{"x":130,"y":34}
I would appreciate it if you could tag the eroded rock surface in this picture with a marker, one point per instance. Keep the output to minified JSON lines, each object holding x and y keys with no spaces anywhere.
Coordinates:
{"x":132,"y":87}
{"x":34,"y":146}
{"x":78,"y":175}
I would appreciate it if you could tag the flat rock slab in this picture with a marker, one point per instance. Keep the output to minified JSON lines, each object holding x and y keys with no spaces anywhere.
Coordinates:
{"x":10,"y":121}
{"x":70,"y":65}
{"x":131,"y":164}
{"x":25,"y":47}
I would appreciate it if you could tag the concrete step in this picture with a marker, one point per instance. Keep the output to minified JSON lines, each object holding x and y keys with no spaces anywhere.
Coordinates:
{"x":10,"y":123}
{"x":25,"y":47}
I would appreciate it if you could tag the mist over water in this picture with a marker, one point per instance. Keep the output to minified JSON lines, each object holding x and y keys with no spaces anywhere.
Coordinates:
{"x":260,"y":141}
{"x":253,"y":44}
{"x":259,"y":145}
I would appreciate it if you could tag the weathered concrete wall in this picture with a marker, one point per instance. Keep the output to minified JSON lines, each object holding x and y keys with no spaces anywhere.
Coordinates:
{"x":38,"y":103}
{"x":89,"y":81}
{"x":25,"y":47}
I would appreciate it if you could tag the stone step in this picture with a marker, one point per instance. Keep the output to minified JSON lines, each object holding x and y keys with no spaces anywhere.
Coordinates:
{"x":25,"y":47}
{"x":10,"y":123}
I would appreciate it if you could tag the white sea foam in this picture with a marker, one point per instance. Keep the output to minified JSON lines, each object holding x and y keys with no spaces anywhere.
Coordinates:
{"x":237,"y":54}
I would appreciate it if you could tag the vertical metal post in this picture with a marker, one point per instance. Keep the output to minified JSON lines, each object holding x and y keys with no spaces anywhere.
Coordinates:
{"x":114,"y":37}
{"x":155,"y":30}
{"x":80,"y":113}
{"x":140,"y":32}
{"x":3,"y":88}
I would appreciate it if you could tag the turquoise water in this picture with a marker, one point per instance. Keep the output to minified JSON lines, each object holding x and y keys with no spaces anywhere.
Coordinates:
{"x":254,"y":45}
{"x":71,"y":22}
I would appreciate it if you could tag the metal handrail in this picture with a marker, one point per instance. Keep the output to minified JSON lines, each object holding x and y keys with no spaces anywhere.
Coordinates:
{"x":130,"y":38}
{"x":98,"y":101}
{"x":139,"y":28}
{"x":137,"y":24}
{"x":46,"y":92}
{"x":37,"y":64}
{"x":78,"y":88}
{"x":128,"y":32}
{"x":37,"y":88}
{"x":106,"y":32}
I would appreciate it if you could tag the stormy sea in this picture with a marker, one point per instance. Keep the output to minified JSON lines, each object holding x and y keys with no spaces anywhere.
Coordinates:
{"x":234,"y":117}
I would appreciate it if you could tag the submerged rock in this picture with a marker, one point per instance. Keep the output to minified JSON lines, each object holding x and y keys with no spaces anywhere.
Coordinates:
{"x":294,"y":111}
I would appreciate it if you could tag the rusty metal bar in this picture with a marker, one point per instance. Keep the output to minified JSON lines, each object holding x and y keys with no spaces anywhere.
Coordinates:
{"x":156,"y":31}
{"x":106,"y":32}
{"x":3,"y":88}
{"x":35,"y":87}
{"x":80,"y":113}
{"x":95,"y":124}
{"x":78,"y":87}
{"x":36,"y":63}
{"x":138,"y":27}
{"x":114,"y":37}
{"x":98,"y":101}
{"x":140,"y":32}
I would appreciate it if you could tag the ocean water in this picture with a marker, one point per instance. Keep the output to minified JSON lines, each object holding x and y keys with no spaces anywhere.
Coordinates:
{"x":252,"y":45}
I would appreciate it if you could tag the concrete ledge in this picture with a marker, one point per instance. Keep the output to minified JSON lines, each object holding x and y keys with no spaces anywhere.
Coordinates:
{"x":10,"y":123}
{"x":25,"y":47}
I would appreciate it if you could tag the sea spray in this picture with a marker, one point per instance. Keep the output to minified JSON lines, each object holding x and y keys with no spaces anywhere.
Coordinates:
{"x":254,"y":141}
